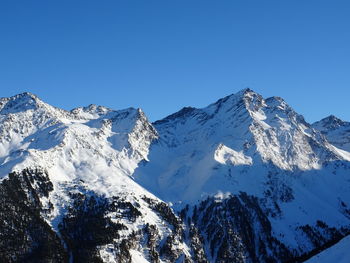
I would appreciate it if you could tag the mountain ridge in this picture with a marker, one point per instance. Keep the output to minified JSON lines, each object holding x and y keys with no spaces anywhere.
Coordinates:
{"x":162,"y":188}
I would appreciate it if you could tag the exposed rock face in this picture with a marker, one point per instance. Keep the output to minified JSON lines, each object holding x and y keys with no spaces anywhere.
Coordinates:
{"x":245,"y":179}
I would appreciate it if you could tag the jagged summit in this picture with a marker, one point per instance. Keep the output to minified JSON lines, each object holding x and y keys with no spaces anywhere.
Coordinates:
{"x":23,"y":95}
{"x":25,"y":101}
{"x":246,"y":100}
{"x":239,"y":94}
{"x":246,"y":97}
{"x":335,"y":130}
{"x":329,"y":122}
{"x":20,"y":102}
{"x":93,"y":109}
{"x":39,"y":129}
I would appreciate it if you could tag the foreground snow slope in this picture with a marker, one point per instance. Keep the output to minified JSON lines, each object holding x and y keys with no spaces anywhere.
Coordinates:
{"x":339,"y":253}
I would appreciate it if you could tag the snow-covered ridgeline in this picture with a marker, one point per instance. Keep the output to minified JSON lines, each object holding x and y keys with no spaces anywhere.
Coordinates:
{"x":242,"y":143}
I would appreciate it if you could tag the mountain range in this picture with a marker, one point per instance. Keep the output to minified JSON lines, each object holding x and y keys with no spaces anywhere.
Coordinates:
{"x":245,"y":179}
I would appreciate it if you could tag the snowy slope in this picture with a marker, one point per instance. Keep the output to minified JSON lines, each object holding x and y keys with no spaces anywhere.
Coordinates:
{"x":93,"y":144}
{"x":339,"y":253}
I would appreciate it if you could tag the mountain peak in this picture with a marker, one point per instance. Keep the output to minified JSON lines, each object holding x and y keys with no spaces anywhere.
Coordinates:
{"x":91,"y":109}
{"x":246,"y":98}
{"x":332,"y":118}
{"x":329,"y":122}
{"x":26,"y":94}
{"x":243,"y":91}
{"x":242,"y":95}
{"x":246,"y":91}
{"x":20,"y":102}
{"x":336,"y":131}
{"x":21,"y":96}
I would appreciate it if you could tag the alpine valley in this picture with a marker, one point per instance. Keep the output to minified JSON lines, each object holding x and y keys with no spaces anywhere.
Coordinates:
{"x":245,"y":179}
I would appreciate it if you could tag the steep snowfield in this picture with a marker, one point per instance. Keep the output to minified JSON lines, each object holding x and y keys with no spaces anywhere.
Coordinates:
{"x":226,"y":155}
{"x":339,"y":253}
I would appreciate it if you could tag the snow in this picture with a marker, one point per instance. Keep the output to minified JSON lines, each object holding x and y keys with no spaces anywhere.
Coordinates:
{"x":226,"y":155}
{"x":137,"y":257}
{"x":202,"y":151}
{"x":242,"y":142}
{"x":339,"y":253}
{"x":336,"y":131}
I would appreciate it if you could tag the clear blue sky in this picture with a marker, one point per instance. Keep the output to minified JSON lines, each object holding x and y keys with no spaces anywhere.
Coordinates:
{"x":163,"y":55}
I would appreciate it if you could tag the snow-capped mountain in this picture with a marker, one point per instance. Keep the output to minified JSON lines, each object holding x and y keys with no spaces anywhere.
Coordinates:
{"x":336,"y":131}
{"x":82,"y":158}
{"x":245,"y":179}
{"x":198,"y":150}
